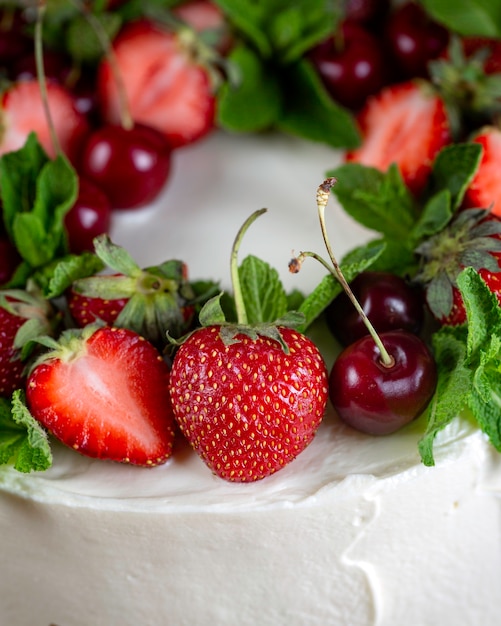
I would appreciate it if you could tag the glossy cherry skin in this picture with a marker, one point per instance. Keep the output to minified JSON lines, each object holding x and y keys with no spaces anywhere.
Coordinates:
{"x":351,"y":64}
{"x":415,"y":39}
{"x":130,"y":166}
{"x":389,"y":301}
{"x":380,"y":400}
{"x":89,"y":217}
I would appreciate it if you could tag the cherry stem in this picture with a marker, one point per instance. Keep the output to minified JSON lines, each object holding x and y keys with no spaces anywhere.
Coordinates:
{"x":235,"y":278}
{"x":41,"y":75}
{"x":323,"y":193}
{"x":125,"y":116}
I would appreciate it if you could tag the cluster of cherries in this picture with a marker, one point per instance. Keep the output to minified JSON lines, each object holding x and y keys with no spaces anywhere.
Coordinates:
{"x":119,"y":166}
{"x":377,"y":45}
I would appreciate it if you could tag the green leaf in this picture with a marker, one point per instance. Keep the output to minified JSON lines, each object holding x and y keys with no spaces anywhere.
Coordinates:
{"x":454,"y":169}
{"x":23,"y":442}
{"x":60,"y":275}
{"x":329,"y":287}
{"x":454,"y":383}
{"x":18,"y":175}
{"x":467,"y":17}
{"x":254,"y":104}
{"x":115,"y":257}
{"x":488,"y":413}
{"x":434,"y":217}
{"x":482,"y":311}
{"x":310,"y":112}
{"x":264,"y":296}
{"x":250,"y":18}
{"x":380,"y":201}
{"x":82,"y":41}
{"x":212,"y":312}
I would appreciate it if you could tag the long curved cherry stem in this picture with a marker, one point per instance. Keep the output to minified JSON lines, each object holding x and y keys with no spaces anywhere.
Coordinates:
{"x":323,"y":193}
{"x":42,"y":81}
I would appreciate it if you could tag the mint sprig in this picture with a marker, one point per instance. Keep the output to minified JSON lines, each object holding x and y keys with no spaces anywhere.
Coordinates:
{"x":23,"y":442}
{"x":467,"y":17}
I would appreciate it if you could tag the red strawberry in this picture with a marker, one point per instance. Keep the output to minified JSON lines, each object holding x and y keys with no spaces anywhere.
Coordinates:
{"x":207,"y":18}
{"x":166,"y":87}
{"x":23,"y":316}
{"x":88,"y":310}
{"x":104,"y":392}
{"x":471,"y":239}
{"x":150,"y":301}
{"x":485,"y":188}
{"x":404,"y":124}
{"x":22,"y":112}
{"x":246,"y":405}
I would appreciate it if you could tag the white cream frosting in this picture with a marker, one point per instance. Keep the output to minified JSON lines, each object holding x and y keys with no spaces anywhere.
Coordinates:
{"x":355,"y":531}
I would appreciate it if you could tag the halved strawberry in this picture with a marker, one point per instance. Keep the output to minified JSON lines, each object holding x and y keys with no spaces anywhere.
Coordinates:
{"x":104,"y":392}
{"x":22,"y":112}
{"x":485,"y":188}
{"x":165,"y":84}
{"x":406,"y":124}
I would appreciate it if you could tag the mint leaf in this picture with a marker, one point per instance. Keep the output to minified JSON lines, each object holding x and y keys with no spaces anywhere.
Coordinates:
{"x":487,"y":410}
{"x":482,"y":311}
{"x":23,"y":442}
{"x":264,"y":296}
{"x":454,"y":168}
{"x":81,"y":40}
{"x":254,"y":104}
{"x":434,"y":217}
{"x":454,"y":383}
{"x":18,"y":176}
{"x":310,"y":112}
{"x":378,"y":200}
{"x":467,"y":17}
{"x":249,"y":18}
{"x":329,"y":287}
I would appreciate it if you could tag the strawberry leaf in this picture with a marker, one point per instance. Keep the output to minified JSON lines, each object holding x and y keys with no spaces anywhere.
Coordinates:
{"x":55,"y":279}
{"x":23,"y":442}
{"x":434,"y":217}
{"x":264,"y":296}
{"x":454,"y":381}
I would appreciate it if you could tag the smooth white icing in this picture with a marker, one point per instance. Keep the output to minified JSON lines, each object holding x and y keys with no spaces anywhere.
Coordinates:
{"x":355,"y":531}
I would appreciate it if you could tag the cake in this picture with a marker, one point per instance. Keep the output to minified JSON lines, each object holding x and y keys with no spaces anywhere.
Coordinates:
{"x":356,"y":531}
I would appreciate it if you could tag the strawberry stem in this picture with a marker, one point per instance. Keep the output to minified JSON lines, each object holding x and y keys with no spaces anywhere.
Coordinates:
{"x":235,"y":278}
{"x":323,"y":193}
{"x":41,"y":75}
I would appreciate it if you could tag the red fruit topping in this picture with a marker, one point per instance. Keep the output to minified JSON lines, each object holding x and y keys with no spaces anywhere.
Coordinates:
{"x":165,"y":86}
{"x":22,"y":112}
{"x":403,"y":124}
{"x":485,"y":188}
{"x":247,"y":407}
{"x":105,"y":395}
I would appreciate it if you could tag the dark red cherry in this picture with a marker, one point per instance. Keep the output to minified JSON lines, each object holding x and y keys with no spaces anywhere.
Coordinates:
{"x":414,"y":39}
{"x":351,"y":64}
{"x":56,"y":67}
{"x":89,"y":217}
{"x":389,"y":301}
{"x":9,"y":259}
{"x":368,"y":12}
{"x":130,"y":166}
{"x":14,"y":40}
{"x":377,"y":399}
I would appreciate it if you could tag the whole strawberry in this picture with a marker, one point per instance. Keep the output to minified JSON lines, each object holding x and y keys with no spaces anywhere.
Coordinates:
{"x":104,"y":392}
{"x":249,"y":398}
{"x":148,"y":301}
{"x":23,"y":317}
{"x":247,"y":405}
{"x":471,"y":239}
